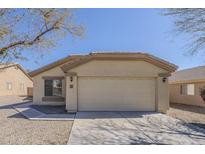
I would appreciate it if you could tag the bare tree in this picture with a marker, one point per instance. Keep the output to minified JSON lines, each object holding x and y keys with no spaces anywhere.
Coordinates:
{"x":190,"y":21}
{"x":34,"y":30}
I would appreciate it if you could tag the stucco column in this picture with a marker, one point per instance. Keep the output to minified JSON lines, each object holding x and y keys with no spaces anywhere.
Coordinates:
{"x":162,"y":100}
{"x":71,"y":92}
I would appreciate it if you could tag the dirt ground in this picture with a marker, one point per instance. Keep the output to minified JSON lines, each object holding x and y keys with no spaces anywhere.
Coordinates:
{"x":188,"y":113}
{"x":16,"y":129}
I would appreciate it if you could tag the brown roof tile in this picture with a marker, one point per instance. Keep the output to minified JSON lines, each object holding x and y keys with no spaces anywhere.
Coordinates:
{"x":75,"y":60}
{"x":195,"y":74}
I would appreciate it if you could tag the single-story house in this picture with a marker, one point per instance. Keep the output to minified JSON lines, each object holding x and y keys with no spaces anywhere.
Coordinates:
{"x":14,"y":80}
{"x":186,"y":86}
{"x":103,"y":81}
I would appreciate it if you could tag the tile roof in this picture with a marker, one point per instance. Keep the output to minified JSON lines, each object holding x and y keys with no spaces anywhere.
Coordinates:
{"x":73,"y":59}
{"x":7,"y":65}
{"x":188,"y":75}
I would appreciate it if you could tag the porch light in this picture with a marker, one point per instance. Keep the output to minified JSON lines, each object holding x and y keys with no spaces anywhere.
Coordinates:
{"x":71,"y":79}
{"x":164,"y":80}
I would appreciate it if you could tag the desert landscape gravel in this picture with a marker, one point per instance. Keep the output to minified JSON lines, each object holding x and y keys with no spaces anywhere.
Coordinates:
{"x":16,"y":129}
{"x":187,"y":113}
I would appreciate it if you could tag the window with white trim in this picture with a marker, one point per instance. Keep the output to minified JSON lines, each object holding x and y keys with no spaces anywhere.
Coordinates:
{"x":187,"y":89}
{"x":53,"y":87}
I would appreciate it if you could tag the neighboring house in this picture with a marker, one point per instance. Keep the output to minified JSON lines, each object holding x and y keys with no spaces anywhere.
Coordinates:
{"x":14,"y":80}
{"x":105,"y":82}
{"x":186,"y":86}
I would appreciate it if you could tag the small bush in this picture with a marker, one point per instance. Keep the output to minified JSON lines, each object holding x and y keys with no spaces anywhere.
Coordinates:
{"x":202,"y":93}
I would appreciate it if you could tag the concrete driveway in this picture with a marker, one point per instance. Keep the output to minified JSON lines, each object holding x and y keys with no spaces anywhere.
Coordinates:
{"x":132,"y":128}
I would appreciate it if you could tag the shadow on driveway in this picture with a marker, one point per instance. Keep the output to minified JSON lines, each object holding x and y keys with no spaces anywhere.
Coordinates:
{"x":112,"y":115}
{"x":5,"y":106}
{"x":131,"y":128}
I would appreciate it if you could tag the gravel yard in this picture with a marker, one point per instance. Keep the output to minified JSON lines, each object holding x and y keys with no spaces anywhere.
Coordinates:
{"x":188,"y":113}
{"x":15,"y":129}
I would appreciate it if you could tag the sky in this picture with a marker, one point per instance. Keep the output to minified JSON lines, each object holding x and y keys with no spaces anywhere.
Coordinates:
{"x":129,"y":30}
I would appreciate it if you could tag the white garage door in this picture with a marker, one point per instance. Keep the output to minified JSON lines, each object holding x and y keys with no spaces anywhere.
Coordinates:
{"x":116,"y":94}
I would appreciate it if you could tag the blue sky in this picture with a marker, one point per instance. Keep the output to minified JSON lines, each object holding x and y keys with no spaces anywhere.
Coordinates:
{"x":144,"y":30}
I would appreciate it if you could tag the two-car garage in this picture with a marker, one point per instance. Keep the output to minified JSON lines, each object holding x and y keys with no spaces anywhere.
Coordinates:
{"x":116,"y":94}
{"x":118,"y":82}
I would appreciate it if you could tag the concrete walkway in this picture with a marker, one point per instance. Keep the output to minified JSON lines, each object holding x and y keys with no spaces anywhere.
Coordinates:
{"x":33,"y":114}
{"x":132,"y":128}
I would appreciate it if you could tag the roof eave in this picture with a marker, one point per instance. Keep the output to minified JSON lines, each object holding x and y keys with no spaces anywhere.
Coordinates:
{"x":52,"y":65}
{"x":187,"y":81}
{"x":21,"y":68}
{"x":106,"y":56}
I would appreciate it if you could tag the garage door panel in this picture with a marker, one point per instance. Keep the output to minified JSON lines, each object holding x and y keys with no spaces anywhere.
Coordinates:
{"x":116,"y":94}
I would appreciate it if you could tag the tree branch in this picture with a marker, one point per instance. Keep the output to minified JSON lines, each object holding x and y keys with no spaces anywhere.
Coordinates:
{"x":28,"y":43}
{"x":33,"y":29}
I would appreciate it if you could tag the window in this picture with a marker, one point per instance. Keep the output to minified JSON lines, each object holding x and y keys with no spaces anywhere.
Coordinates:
{"x":21,"y":87}
{"x":53,"y":87}
{"x":8,"y":85}
{"x":187,"y":89}
{"x":183,"y":89}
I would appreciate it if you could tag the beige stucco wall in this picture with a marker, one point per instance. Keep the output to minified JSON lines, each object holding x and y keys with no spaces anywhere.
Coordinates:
{"x":15,"y":76}
{"x":162,"y":95}
{"x":139,"y":69}
{"x":118,"y":68}
{"x":71,"y":94}
{"x":102,"y":68}
{"x":176,"y":97}
{"x":38,"y":89}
